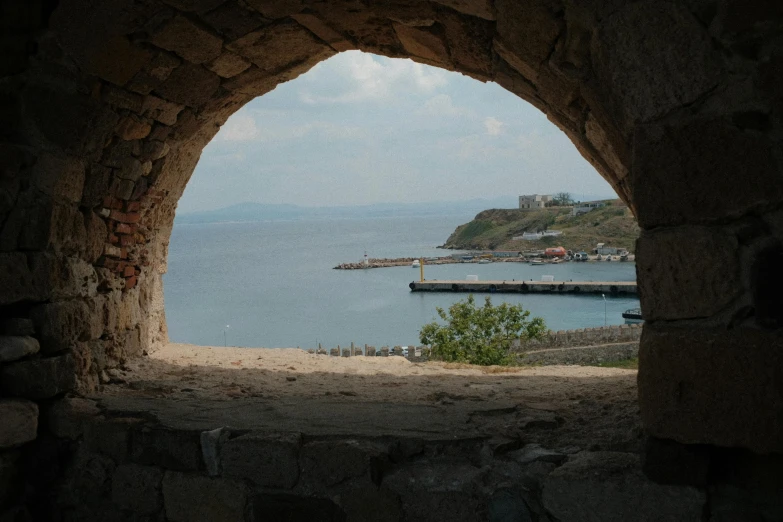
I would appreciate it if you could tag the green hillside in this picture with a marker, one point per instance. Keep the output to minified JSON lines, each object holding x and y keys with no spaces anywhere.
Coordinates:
{"x":494,"y":229}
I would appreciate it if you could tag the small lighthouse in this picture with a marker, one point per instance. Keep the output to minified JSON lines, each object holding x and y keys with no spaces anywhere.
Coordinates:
{"x":366,"y":261}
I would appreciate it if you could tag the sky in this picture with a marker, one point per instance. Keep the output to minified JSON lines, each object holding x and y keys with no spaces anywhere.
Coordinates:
{"x":359,"y":129}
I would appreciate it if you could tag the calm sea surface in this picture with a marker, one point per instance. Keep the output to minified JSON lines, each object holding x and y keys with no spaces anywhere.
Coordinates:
{"x":274,"y":285}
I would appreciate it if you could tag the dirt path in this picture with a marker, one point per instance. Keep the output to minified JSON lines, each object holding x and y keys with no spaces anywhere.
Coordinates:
{"x":556,"y":405}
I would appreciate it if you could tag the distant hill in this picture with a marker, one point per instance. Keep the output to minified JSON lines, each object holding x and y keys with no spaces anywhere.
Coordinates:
{"x":249,"y":212}
{"x":495,"y":229}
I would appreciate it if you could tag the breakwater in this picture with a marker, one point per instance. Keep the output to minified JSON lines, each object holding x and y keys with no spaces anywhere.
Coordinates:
{"x":613,"y":288}
{"x":627,"y":335}
{"x":622,"y":333}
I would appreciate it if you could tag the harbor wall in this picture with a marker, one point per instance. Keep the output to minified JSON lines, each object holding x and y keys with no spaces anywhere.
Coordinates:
{"x":624,"y":333}
{"x":581,"y":355}
{"x":582,"y":337}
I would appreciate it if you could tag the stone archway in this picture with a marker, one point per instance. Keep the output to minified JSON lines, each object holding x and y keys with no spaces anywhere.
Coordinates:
{"x":107,"y":105}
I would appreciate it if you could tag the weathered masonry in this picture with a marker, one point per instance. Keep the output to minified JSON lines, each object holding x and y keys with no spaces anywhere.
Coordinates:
{"x":106,"y":105}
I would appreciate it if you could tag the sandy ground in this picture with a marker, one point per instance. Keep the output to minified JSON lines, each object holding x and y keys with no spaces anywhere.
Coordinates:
{"x":589,"y":403}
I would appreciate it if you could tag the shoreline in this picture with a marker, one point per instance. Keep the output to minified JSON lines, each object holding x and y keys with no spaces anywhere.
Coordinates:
{"x":449,"y":260}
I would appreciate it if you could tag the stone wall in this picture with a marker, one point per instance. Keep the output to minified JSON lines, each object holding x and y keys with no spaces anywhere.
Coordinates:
{"x":625,"y":333}
{"x":583,"y":355}
{"x":105,"y":107}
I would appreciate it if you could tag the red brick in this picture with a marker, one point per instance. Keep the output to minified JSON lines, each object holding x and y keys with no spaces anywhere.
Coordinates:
{"x":123,"y":253}
{"x":123,"y":228}
{"x":113,"y":239}
{"x":130,"y":282}
{"x":129,"y":271}
{"x":126,"y":240}
{"x":125,"y":217}
{"x":120,"y":268}
{"x":132,"y":206}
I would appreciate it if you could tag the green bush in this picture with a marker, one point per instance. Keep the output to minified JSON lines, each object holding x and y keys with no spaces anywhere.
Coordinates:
{"x":480,"y":335}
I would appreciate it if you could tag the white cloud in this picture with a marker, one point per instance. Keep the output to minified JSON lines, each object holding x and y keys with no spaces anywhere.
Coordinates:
{"x":493,"y":125}
{"x":359,"y":77}
{"x":442,"y":105}
{"x":240,"y":127}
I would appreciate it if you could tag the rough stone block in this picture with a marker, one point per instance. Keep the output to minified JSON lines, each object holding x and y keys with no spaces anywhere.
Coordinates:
{"x":712,"y":386}
{"x":507,"y":505}
{"x":432,"y":491}
{"x":177,"y":450}
{"x":122,"y":188}
{"x":683,"y":262}
{"x":267,"y":507}
{"x":281,"y":46}
{"x":110,"y":437}
{"x":75,"y":122}
{"x":154,"y":73}
{"x":424,"y":43}
{"x":60,"y":176}
{"x":470,"y":44}
{"x":190,"y":41}
{"x":228,"y":65}
{"x":326,"y":464}
{"x":190,"y":85}
{"x":162,"y":111}
{"x":697,"y":172}
{"x":75,"y":278}
{"x":646,"y":52}
{"x":17,"y":326}
{"x":610,"y":487}
{"x":87,"y":478}
{"x":96,"y":234}
{"x":266,"y":460}
{"x":192,"y":497}
{"x":480,"y":8}
{"x":13,"y":348}
{"x":61,"y":324}
{"x":669,"y":462}
{"x":371,"y":504}
{"x":137,"y":488}
{"x":19,"y":422}
{"x":39,"y":378}
{"x":233,"y":20}
{"x":528,"y":31}
{"x":132,"y":128}
{"x":10,"y":476}
{"x":96,"y":185}
{"x":116,"y":60}
{"x":322,"y":30}
{"x":65,"y":418}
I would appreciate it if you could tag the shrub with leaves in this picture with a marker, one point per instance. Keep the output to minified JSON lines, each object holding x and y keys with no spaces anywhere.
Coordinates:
{"x":480,"y":335}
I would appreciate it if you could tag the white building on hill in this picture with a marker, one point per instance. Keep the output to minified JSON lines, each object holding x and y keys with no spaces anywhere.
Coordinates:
{"x":534,"y":202}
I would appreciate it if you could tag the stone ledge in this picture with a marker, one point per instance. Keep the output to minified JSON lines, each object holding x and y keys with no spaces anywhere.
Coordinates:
{"x":713,"y":386}
{"x":610,"y":487}
{"x":18,"y":422}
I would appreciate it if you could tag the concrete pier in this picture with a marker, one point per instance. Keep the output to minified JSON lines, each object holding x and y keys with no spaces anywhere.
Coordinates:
{"x":525,"y":287}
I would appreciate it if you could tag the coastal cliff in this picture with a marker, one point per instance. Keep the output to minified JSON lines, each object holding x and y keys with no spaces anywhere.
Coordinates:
{"x":495,"y":229}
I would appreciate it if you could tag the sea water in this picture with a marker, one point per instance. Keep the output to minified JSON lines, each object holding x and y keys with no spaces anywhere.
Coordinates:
{"x":274,"y":285}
